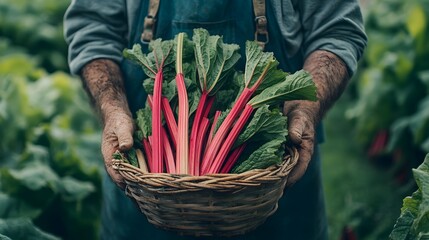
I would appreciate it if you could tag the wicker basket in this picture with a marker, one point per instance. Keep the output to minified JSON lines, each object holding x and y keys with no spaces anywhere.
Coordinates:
{"x":210,"y":205}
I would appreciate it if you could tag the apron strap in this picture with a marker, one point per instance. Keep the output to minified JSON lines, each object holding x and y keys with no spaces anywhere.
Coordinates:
{"x":149,"y":21}
{"x":261,"y":33}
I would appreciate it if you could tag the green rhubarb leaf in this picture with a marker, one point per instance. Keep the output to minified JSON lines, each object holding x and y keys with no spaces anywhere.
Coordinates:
{"x":215,"y":60}
{"x":259,"y":65}
{"x":161,"y":53}
{"x":144,"y":121}
{"x":168,"y":88}
{"x":224,"y":99}
{"x":298,"y":86}
{"x":138,"y":139}
{"x":194,"y":99}
{"x":136,"y":55}
{"x":265,"y":124}
{"x":132,"y":157}
{"x":266,"y":155}
{"x":273,"y":77}
{"x":190,"y":72}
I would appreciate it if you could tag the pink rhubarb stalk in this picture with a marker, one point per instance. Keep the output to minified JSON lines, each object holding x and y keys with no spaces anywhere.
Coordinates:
{"x":218,"y":139}
{"x":170,"y":120}
{"x":202,"y":139}
{"x":212,"y":128}
{"x":232,"y":159}
{"x":229,"y":142}
{"x":183,"y":115}
{"x":194,"y":132}
{"x":168,"y":154}
{"x":157,"y":144}
{"x":167,"y":149}
{"x":147,"y":148}
{"x":203,"y":109}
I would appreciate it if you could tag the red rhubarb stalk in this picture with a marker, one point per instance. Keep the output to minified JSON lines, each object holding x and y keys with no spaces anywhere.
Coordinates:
{"x":147,"y":148}
{"x":170,"y":120}
{"x":212,"y":128}
{"x":167,"y":149}
{"x":202,"y":139}
{"x":157,"y":146}
{"x":168,"y":154}
{"x":218,"y":139}
{"x":194,"y":132}
{"x":229,"y":142}
{"x":208,"y":106}
{"x":182,"y":127}
{"x":232,"y":159}
{"x":157,"y":150}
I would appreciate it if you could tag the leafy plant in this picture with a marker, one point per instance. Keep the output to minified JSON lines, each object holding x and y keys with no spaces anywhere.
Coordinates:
{"x":413,"y":223}
{"x":35,"y":27}
{"x":390,"y":117}
{"x":50,"y":169}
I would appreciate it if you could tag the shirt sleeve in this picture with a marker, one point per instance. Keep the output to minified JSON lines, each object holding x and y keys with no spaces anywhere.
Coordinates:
{"x":94,"y":29}
{"x":335,"y":26}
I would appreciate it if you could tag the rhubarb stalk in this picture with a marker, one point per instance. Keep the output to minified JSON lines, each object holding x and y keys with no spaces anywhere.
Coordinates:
{"x":182,"y":128}
{"x":232,"y":159}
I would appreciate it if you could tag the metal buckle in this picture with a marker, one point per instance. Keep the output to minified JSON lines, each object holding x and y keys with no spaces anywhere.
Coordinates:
{"x":261,"y":33}
{"x":148,"y":29}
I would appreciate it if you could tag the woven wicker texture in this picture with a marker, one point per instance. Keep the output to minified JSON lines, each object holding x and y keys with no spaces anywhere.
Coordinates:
{"x":210,"y":205}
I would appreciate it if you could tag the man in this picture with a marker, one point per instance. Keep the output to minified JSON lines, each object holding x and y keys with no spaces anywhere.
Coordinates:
{"x":324,"y":37}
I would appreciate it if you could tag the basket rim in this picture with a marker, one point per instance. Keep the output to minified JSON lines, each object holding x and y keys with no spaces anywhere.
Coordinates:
{"x":166,"y":182}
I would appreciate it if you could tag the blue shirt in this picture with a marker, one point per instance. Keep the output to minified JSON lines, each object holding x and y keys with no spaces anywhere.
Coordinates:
{"x":101,"y":29}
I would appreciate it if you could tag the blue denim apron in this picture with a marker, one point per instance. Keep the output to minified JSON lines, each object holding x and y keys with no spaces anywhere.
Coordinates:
{"x":301,"y":212}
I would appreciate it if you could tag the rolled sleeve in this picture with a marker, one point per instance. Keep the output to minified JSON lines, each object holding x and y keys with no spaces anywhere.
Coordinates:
{"x":335,"y":26}
{"x":94,"y":29}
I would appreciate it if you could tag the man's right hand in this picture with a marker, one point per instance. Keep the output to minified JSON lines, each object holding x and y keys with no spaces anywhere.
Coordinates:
{"x":117,"y":135}
{"x":104,"y":83}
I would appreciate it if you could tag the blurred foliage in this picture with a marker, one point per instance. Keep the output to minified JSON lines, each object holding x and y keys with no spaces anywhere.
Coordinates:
{"x":391,"y":113}
{"x":50,"y":182}
{"x":35,"y":27}
{"x":362,"y":202}
{"x":50,"y":171}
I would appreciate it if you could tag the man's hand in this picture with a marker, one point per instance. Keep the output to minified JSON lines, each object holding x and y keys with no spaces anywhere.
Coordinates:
{"x":330,"y":76}
{"x":117,"y":135}
{"x":301,"y":123}
{"x":103,"y":81}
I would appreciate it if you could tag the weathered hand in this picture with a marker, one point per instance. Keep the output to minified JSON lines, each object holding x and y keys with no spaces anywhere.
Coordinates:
{"x":301,"y":123}
{"x":330,"y":76}
{"x":117,"y":134}
{"x":103,"y":81}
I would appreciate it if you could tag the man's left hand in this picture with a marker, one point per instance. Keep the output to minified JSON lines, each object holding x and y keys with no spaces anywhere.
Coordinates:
{"x":302,"y":120}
